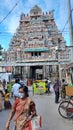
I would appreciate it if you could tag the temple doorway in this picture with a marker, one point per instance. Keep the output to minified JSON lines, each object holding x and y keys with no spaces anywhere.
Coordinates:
{"x":36,"y":72}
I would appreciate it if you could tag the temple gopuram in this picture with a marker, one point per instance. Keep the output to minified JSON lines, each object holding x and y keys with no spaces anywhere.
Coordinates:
{"x":37,"y":49}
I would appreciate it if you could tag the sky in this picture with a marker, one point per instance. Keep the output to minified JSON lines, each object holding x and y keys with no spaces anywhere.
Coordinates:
{"x":10,"y":11}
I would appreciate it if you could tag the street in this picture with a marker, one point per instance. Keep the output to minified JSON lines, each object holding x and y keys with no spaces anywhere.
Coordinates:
{"x":45,"y":107}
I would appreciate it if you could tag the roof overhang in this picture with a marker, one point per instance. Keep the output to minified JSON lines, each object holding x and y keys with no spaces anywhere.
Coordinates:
{"x":69,"y":66}
{"x":36,"y":50}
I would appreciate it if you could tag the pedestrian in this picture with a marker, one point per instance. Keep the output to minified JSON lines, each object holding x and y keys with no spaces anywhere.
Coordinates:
{"x":4,"y":83}
{"x":23,"y":110}
{"x":56,"y":87}
{"x":49,"y":87}
{"x":46,"y":86}
{"x":1,"y":94}
{"x":15,"y":88}
{"x":25,"y":81}
{"x":63,"y":91}
{"x":7,"y":103}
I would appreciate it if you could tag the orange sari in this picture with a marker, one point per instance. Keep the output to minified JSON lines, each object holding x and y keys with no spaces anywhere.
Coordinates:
{"x":23,"y":109}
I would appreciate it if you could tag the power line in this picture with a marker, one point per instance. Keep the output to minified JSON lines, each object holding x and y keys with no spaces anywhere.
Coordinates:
{"x":50,"y":31}
{"x":67,"y":21}
{"x":1,"y":33}
{"x":10,"y":12}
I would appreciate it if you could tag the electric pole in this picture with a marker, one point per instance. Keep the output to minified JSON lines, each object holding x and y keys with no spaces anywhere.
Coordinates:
{"x":70,"y":27}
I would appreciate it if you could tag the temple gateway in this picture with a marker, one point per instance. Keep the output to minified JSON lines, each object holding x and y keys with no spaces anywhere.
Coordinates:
{"x":37,"y":49}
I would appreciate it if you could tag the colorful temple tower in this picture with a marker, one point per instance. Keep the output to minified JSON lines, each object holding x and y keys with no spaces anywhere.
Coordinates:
{"x":33,"y":46}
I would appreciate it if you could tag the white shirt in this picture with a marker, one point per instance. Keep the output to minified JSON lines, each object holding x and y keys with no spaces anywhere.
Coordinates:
{"x":15,"y":89}
{"x":25,"y":82}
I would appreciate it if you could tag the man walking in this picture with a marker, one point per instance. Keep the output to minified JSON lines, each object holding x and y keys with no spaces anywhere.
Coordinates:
{"x":15,"y":88}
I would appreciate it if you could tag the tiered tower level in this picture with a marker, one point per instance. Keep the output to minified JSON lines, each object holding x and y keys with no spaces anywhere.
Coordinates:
{"x":36,"y":35}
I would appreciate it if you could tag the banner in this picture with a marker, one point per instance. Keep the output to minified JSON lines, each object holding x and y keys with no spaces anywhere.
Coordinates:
{"x":39,"y":87}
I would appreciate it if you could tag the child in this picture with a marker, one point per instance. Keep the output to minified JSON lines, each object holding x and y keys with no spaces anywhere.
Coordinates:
{"x":7,"y":103}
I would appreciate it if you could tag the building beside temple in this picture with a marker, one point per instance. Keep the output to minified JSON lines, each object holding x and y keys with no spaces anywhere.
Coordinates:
{"x":32,"y":50}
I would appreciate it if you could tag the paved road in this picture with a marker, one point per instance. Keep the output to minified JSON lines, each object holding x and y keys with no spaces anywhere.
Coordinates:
{"x":46,"y":107}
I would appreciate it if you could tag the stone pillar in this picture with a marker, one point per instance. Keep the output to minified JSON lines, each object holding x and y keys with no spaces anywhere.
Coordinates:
{"x":44,"y":75}
{"x":28,"y":71}
{"x":14,"y":69}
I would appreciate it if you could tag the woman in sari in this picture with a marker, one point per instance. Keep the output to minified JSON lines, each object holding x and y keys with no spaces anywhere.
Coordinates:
{"x":23,"y":110}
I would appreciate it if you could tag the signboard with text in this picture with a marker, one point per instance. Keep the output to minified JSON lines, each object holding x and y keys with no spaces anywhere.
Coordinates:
{"x":39,"y":87}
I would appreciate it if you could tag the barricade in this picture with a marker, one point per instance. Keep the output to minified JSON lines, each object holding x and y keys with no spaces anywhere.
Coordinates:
{"x":69,"y":90}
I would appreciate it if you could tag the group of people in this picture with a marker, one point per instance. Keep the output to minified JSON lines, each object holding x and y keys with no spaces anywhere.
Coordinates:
{"x":23,"y":108}
{"x":5,"y":94}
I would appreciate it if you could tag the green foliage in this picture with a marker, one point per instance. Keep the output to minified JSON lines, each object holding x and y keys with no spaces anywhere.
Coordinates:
{"x":9,"y":87}
{"x":70,"y":85}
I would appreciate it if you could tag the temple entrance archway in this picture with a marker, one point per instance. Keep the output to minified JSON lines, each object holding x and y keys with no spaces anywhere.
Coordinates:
{"x":36,"y":72}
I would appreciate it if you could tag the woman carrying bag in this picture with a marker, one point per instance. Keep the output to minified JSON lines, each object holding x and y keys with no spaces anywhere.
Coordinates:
{"x":23,"y":110}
